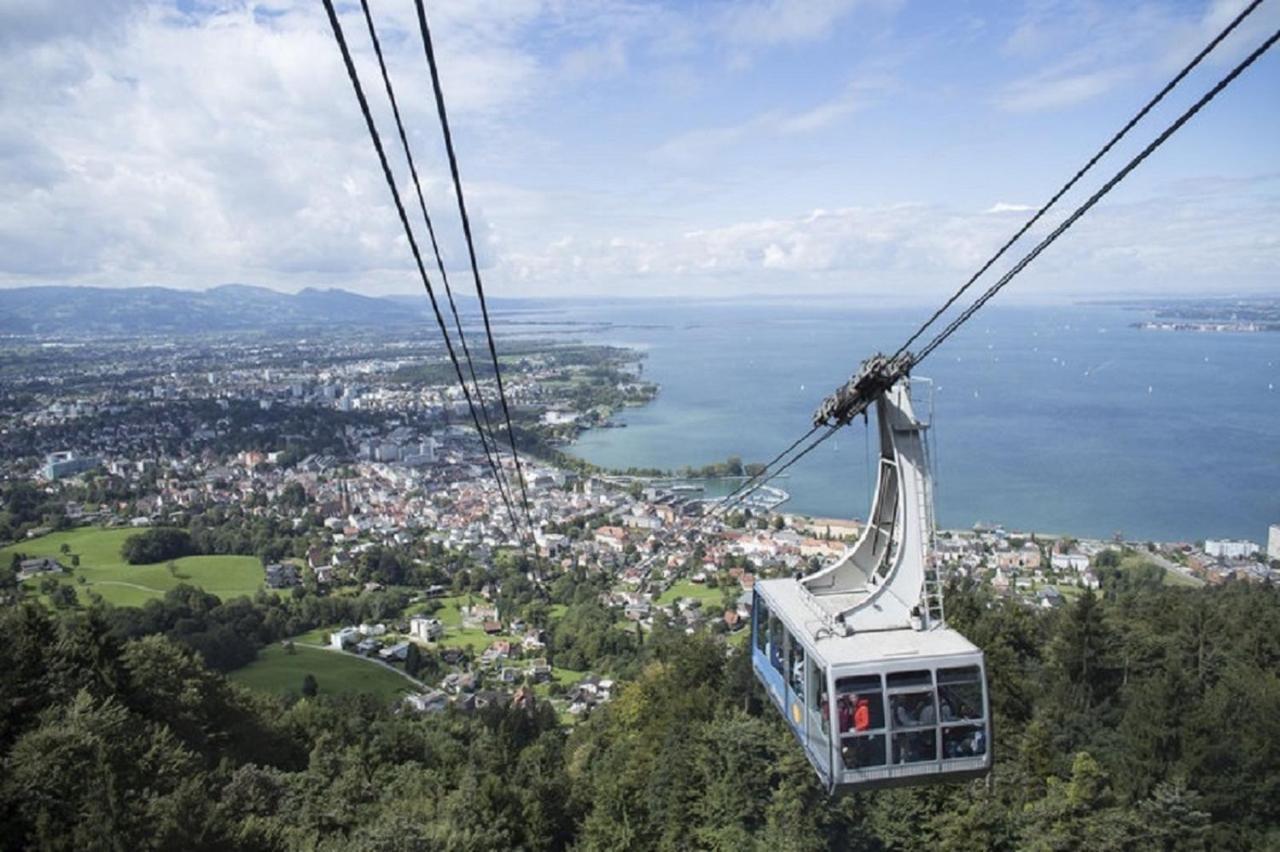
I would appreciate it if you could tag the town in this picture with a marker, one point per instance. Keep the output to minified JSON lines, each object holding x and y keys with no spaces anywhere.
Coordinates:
{"x":309,"y":468}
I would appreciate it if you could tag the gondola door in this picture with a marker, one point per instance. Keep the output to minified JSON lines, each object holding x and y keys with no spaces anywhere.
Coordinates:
{"x":819,"y":718}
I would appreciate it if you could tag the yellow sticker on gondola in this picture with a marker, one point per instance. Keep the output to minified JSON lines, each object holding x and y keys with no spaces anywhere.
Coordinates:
{"x":795,"y":713}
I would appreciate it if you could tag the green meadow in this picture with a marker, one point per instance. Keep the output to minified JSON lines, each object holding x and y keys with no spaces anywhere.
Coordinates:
{"x":278,"y":671}
{"x":689,"y":589}
{"x":105,"y":571}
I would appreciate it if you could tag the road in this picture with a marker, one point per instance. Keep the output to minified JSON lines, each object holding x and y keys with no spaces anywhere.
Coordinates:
{"x":419,"y":684}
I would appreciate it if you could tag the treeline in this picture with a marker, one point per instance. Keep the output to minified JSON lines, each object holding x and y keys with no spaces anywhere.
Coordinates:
{"x":23,"y":507}
{"x":228,"y":635}
{"x":158,"y":544}
{"x":110,"y":745}
{"x":223,"y":531}
{"x":534,"y":443}
{"x":142,"y":430}
{"x":731,"y":466}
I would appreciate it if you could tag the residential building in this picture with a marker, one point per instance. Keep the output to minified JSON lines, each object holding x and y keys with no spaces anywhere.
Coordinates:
{"x":426,"y":629}
{"x":1226,"y":549}
{"x":282,"y":575}
{"x":340,"y":639}
{"x":41,"y":565}
{"x":615,"y":538}
{"x":427,"y":702}
{"x":67,"y":463}
{"x":1076,"y":562}
{"x":396,"y":653}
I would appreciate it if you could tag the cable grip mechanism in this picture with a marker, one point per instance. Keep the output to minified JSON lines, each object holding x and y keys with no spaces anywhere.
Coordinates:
{"x":874,"y":378}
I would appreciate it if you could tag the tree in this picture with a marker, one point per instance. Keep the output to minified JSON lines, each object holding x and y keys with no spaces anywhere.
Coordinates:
{"x":1109,"y":558}
{"x":64,"y":596}
{"x":309,"y":686}
{"x":412,"y":660}
{"x":157,"y":545}
{"x":97,"y":771}
{"x":1082,"y":655}
{"x":1080,"y":813}
{"x":293,"y":496}
{"x":64,"y":549}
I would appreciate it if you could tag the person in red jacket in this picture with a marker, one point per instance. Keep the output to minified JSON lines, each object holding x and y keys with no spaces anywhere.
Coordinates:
{"x":861,"y":714}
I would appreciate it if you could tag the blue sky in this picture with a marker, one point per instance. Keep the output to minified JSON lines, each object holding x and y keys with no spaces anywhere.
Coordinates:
{"x":867,"y":149}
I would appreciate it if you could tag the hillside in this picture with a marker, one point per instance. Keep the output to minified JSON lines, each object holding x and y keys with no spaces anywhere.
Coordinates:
{"x":230,"y":307}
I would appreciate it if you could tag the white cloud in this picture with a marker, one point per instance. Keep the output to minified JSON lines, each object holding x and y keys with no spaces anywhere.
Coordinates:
{"x":691,"y":147}
{"x":1087,"y":48}
{"x":1006,"y":207}
{"x":1080,"y":50}
{"x":857,"y":95}
{"x":1188,"y":238}
{"x":786,"y":21}
{"x":142,"y":144}
{"x":199,"y":148}
{"x":1049,"y":91}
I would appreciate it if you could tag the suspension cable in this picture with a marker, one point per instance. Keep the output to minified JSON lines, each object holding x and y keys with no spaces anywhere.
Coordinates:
{"x":471,"y":248}
{"x":1168,"y":87}
{"x":431,"y":231}
{"x":748,"y":484}
{"x":413,"y":244}
{"x":1097,"y":196}
{"x":725,"y":508}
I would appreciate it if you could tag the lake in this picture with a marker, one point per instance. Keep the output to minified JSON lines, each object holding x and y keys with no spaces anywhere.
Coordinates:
{"x":1057,"y":419}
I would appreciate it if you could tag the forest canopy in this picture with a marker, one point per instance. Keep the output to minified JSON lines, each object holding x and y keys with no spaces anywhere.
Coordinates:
{"x":1146,"y":717}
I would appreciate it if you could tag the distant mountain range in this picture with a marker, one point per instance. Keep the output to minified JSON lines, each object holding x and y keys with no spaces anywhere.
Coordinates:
{"x":231,"y":307}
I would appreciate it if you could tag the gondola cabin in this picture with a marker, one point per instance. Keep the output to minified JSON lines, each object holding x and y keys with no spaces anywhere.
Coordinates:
{"x":857,"y":657}
{"x":873,"y":710}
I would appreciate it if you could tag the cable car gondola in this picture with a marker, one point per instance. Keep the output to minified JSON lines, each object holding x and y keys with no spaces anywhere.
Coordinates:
{"x":857,"y":656}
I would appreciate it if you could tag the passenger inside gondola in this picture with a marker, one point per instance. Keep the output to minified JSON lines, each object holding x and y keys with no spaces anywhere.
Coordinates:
{"x":775,"y":643}
{"x":861,"y":720}
{"x":964,"y":741}
{"x":796,"y":669}
{"x":915,"y":717}
{"x":960,"y":699}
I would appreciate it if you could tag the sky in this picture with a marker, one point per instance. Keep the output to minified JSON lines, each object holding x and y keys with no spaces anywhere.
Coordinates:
{"x":866,"y":150}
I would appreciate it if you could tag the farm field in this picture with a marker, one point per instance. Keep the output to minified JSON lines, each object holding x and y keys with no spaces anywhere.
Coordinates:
{"x":105,"y":571}
{"x":277,"y":671}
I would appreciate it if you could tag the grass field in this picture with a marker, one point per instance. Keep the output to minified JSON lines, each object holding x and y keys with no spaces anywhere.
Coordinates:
{"x":277,"y":671}
{"x":1177,"y":578}
{"x":106,"y":573}
{"x":319,"y":636}
{"x":689,"y":589}
{"x":1171,"y":577}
